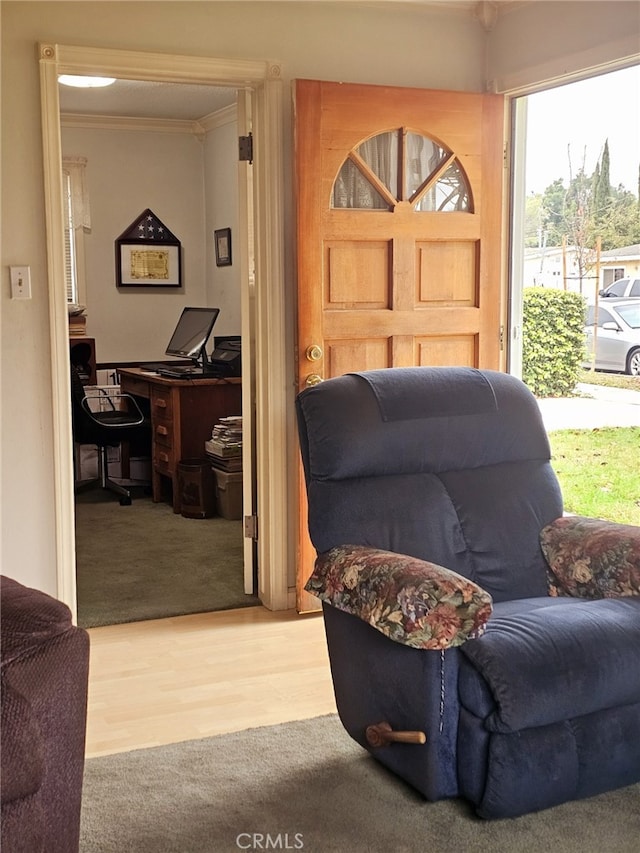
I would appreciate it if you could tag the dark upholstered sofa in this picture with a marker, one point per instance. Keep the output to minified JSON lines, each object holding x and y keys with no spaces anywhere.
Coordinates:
{"x":464,"y":612}
{"x":44,"y":672}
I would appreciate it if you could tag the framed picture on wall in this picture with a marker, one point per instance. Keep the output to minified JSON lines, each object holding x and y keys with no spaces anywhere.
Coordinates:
{"x":148,"y":254}
{"x":222,"y":240}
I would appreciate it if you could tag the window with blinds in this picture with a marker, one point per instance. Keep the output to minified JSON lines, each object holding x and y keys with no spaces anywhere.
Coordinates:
{"x":70,"y":272}
{"x":77,"y":222}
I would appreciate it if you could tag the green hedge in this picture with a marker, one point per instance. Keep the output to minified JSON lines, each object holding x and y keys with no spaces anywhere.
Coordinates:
{"x":553,"y":343}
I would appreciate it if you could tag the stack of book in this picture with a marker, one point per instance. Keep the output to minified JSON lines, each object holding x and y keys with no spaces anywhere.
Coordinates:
{"x":77,"y":322}
{"x":224,"y":448}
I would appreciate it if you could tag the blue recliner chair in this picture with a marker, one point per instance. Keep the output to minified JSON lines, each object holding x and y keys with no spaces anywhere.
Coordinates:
{"x":481,"y":644}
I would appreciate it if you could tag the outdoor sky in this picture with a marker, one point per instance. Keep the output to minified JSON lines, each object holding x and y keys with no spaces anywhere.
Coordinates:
{"x":583,"y":115}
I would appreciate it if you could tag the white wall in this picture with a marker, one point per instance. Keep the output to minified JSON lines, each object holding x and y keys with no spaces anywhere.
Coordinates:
{"x":127,"y":172}
{"x":542,"y":41}
{"x":221,"y":211}
{"x":191,"y":184}
{"x":414,"y":47}
{"x":397,"y":44}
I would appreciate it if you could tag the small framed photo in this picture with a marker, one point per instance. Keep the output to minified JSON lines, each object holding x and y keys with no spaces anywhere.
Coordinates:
{"x":222,"y":240}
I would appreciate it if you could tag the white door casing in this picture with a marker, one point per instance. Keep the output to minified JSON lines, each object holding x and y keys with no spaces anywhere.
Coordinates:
{"x":263,"y":81}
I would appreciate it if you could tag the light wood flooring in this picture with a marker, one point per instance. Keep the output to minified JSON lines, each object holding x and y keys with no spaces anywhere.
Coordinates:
{"x":189,"y":677}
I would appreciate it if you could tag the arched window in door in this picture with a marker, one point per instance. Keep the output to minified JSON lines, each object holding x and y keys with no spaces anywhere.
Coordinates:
{"x":402,"y":166}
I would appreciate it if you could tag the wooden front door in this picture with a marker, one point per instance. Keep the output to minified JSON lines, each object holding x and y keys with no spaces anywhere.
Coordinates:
{"x":399,"y":207}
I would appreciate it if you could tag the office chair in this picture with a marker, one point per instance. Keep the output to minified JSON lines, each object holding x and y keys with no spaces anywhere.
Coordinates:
{"x":123,"y":420}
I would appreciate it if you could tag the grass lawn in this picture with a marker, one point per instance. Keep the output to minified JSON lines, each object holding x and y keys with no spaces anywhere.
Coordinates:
{"x":612,"y":380}
{"x":599,"y":471}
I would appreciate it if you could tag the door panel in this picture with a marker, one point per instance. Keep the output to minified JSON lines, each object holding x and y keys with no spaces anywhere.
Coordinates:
{"x":399,"y":197}
{"x":357,"y":274}
{"x":442,"y":351}
{"x":447,"y":273}
{"x":345,"y":356}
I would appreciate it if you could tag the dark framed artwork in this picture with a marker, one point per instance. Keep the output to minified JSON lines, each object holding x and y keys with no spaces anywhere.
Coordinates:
{"x":222,"y":240}
{"x":148,"y":254}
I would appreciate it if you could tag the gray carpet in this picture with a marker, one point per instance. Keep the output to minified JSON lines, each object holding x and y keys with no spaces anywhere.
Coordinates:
{"x":308,"y":786}
{"x":146,"y":562}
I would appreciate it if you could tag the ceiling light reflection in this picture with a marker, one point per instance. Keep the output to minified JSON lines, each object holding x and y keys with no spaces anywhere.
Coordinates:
{"x":85,"y":82}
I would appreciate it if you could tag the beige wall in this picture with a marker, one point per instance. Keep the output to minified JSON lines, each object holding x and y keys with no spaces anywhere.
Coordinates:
{"x":545,"y":41}
{"x":398,"y":44}
{"x":190,"y":183}
{"x":128,"y":171}
{"x":221,"y":211}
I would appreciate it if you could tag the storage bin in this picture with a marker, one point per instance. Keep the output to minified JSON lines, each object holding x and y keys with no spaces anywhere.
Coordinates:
{"x":197,"y":489}
{"x":229,"y":493}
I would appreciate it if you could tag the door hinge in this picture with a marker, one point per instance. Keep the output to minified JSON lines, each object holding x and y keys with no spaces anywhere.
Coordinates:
{"x":251,"y":527}
{"x":245,"y":148}
{"x":501,"y":336}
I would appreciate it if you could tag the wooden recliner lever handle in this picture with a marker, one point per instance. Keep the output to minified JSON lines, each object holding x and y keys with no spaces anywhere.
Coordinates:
{"x":381,"y":734}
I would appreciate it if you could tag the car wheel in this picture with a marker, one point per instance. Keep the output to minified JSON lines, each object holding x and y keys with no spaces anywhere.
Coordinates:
{"x":633,"y":362}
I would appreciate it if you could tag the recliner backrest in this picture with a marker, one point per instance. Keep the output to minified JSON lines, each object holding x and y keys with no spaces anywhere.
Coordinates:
{"x":446,"y":464}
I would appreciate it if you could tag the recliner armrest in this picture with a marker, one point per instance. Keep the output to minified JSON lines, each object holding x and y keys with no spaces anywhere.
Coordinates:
{"x":591,"y":558}
{"x":411,"y":601}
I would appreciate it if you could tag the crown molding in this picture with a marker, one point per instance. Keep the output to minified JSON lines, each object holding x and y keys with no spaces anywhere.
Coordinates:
{"x":207,"y":123}
{"x":102,"y":122}
{"x":226,"y":115}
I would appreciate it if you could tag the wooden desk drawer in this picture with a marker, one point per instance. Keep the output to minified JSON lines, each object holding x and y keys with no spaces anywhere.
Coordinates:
{"x":162,"y":402}
{"x":163,"y":433}
{"x":138,"y":387}
{"x":163,"y":460}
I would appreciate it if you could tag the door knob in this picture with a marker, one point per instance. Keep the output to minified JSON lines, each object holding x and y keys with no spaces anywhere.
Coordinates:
{"x":313,"y":379}
{"x":314,"y":352}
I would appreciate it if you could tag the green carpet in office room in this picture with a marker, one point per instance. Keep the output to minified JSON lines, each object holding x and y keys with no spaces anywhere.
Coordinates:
{"x":144,"y":561}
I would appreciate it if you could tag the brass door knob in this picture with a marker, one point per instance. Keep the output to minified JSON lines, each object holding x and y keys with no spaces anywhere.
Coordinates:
{"x":313,"y":379}
{"x":314,"y":352}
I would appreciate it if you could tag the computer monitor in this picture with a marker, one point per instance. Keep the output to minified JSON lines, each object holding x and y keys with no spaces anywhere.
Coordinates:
{"x":191,"y":334}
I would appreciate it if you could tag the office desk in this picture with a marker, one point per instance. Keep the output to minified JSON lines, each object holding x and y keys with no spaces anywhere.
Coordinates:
{"x":183,"y":412}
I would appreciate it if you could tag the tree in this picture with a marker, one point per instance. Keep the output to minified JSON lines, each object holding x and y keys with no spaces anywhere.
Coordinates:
{"x":602,"y":188}
{"x":621,"y":226}
{"x":579,"y":221}
{"x":532,"y":220}
{"x":553,"y":212}
{"x":588,"y":208}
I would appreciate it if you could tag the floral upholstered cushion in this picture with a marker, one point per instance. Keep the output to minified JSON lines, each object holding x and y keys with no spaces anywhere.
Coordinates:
{"x":411,"y":601}
{"x":591,"y":558}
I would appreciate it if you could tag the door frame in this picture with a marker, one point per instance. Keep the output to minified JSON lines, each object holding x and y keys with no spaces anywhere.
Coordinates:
{"x":263,"y":79}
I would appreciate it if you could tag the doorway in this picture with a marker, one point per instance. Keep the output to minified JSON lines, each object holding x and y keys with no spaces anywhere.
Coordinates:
{"x":594,"y":120}
{"x":171,"y":148}
{"x":262,"y":80}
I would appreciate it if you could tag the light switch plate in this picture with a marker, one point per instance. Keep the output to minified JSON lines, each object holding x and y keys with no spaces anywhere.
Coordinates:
{"x":20,"y":282}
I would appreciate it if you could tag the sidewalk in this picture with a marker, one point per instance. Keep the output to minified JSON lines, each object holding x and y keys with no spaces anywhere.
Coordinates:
{"x":599,"y":407}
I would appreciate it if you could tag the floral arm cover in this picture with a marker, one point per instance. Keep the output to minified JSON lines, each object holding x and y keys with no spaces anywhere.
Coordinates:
{"x":409,"y":600}
{"x":591,"y":558}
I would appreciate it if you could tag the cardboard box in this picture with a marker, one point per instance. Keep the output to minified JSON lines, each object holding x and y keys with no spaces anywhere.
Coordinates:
{"x":229,"y":493}
{"x":87,"y":464}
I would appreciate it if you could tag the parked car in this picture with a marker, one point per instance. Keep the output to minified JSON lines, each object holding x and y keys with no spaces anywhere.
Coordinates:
{"x":617,"y":336}
{"x":624,"y":287}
